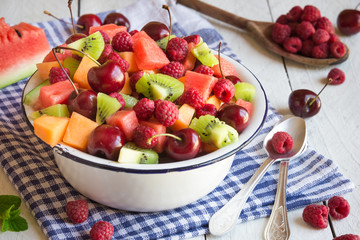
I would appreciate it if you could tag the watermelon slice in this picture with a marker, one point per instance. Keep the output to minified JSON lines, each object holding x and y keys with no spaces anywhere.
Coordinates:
{"x":57,"y":93}
{"x":21,"y":47}
{"x":203,"y":83}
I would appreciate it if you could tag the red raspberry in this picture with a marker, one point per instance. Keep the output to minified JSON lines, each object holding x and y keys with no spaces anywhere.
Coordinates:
{"x":293,"y":26}
{"x":105,"y":53}
{"x":141,"y":134}
{"x":132,"y":33}
{"x":173,"y":69}
{"x":337,"y":49}
{"x":207,"y":109}
{"x":280,"y":33}
{"x":334,"y":38}
{"x":119,"y":98}
{"x":204,"y":70}
{"x":347,"y":237}
{"x":324,"y":23}
{"x":166,"y":113}
{"x":316,"y":215}
{"x":123,"y":63}
{"x":321,"y":51}
{"x":196,"y":39}
{"x":105,"y":36}
{"x":134,"y":78}
{"x":311,"y":13}
{"x":192,"y":97}
{"x":282,"y":19}
{"x":282,"y":142}
{"x":320,"y":36}
{"x":294,"y":14}
{"x":224,"y":90}
{"x":102,"y":230}
{"x":292,"y":44}
{"x":304,"y":30}
{"x":177,"y":49}
{"x":57,"y":75}
{"x":144,"y":109}
{"x":307,"y":47}
{"x":77,"y":210}
{"x":122,"y":42}
{"x":337,"y":76}
{"x":339,"y":207}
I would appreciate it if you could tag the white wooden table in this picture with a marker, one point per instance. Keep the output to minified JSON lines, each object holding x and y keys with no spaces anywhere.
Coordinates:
{"x":333,"y":132}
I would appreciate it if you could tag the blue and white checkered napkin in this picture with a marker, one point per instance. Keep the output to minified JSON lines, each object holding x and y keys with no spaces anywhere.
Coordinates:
{"x":30,"y":165}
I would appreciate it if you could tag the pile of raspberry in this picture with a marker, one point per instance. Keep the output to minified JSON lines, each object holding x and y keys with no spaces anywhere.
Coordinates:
{"x":304,"y":31}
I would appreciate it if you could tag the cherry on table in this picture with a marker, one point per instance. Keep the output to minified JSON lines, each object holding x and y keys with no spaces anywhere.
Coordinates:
{"x":304,"y":103}
{"x":348,"y":21}
{"x":87,"y":21}
{"x":117,"y":19}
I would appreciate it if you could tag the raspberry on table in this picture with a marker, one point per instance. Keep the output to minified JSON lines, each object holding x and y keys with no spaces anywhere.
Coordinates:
{"x":282,"y":142}
{"x":292,"y":44}
{"x":347,"y":237}
{"x":77,"y":210}
{"x":192,"y":97}
{"x":307,"y":47}
{"x":144,"y":109}
{"x":173,"y":69}
{"x":321,"y":51}
{"x":105,"y":36}
{"x":134,"y":78}
{"x":337,"y":76}
{"x":224,"y":90}
{"x":294,"y":14}
{"x":196,"y":39}
{"x":310,"y":13}
{"x":119,"y":98}
{"x":280,"y":33}
{"x":141,"y":134}
{"x":320,"y":36}
{"x":207,"y":109}
{"x":337,"y":49}
{"x":177,"y":49}
{"x":304,"y":30}
{"x":122,"y":42}
{"x":57,"y":75}
{"x":324,"y":23}
{"x":316,"y":215}
{"x":339,"y":207}
{"x":204,"y":70}
{"x":166,"y":113}
{"x":124,"y":65}
{"x":102,"y":230}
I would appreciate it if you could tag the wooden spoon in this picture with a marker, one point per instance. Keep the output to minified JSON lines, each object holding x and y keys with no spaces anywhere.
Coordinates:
{"x":261,"y":31}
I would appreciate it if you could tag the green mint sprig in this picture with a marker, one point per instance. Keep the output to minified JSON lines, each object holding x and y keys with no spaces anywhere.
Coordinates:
{"x":10,"y":214}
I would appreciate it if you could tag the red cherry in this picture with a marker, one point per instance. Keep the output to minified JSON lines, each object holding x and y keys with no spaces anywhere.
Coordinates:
{"x":117,"y":19}
{"x":84,"y":103}
{"x":87,"y":21}
{"x":304,"y":103}
{"x":156,"y":30}
{"x":348,"y":21}
{"x":74,"y":37}
{"x":235,"y":116}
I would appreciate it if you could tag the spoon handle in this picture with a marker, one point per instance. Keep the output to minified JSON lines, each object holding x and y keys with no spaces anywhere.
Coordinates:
{"x":224,"y":219}
{"x":278,"y":226}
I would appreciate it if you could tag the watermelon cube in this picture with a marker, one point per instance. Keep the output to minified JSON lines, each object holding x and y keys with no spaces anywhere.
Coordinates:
{"x":57,"y":93}
{"x":109,"y":29}
{"x":126,"y":120}
{"x":226,"y":67}
{"x":202,"y":82}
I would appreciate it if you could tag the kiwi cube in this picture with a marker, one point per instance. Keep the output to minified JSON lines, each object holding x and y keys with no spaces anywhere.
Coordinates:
{"x":106,"y":106}
{"x":203,"y":53}
{"x":130,"y":153}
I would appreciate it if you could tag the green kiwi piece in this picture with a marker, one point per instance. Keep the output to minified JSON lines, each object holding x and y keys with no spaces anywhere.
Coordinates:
{"x":163,"y":42}
{"x":57,"y":110}
{"x":213,"y":131}
{"x":72,"y":64}
{"x":130,"y":101}
{"x":106,"y":106}
{"x":93,"y":45}
{"x":159,"y":86}
{"x":245,"y":91}
{"x":130,"y":153}
{"x":32,"y":96}
{"x":203,"y":53}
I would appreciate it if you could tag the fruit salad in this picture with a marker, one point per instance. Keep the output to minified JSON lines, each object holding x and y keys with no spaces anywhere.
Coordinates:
{"x":127,"y":97}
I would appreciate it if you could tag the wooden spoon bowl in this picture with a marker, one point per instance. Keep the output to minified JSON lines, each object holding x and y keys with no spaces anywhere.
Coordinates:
{"x":261,"y":31}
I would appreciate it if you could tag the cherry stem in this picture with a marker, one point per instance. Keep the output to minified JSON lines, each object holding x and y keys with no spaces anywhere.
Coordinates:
{"x":77,"y":25}
{"x":148,"y":141}
{"x":168,"y":9}
{"x":72,"y":18}
{"x":317,"y":96}
{"x":54,"y":50}
{"x":219,"y":58}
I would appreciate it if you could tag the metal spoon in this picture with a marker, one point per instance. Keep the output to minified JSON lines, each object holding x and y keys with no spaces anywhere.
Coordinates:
{"x":224,"y":219}
{"x":277,"y":227}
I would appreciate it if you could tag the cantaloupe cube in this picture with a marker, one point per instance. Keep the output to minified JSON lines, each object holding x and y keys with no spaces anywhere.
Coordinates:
{"x":186,"y":113}
{"x":214,"y":100}
{"x":126,"y":120}
{"x":182,"y":79}
{"x":130,"y":58}
{"x":126,"y":88}
{"x":50,"y":129}
{"x":80,"y":75}
{"x":44,"y":68}
{"x":78,"y":131}
{"x":159,"y":129}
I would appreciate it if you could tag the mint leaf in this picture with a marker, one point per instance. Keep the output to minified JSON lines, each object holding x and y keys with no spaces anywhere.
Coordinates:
{"x":15,"y":213}
{"x":17,"y":224}
{"x":5,"y":225}
{"x":6,"y":201}
{"x":6,"y":213}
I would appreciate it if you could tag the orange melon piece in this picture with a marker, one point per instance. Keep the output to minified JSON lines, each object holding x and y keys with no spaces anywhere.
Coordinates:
{"x":148,"y":55}
{"x":80,"y":76}
{"x":126,"y":120}
{"x":109,"y":29}
{"x":44,"y":68}
{"x":126,"y":88}
{"x":50,"y":129}
{"x":203,"y":83}
{"x":159,"y":129}
{"x":190,"y":60}
{"x":182,"y":79}
{"x":186,"y":113}
{"x":78,"y":131}
{"x":130,"y":58}
{"x":226,"y":67}
{"x":214,"y":100}
{"x":245,"y":104}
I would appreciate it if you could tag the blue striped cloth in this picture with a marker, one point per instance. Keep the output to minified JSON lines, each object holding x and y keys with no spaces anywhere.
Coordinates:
{"x":31,"y":167}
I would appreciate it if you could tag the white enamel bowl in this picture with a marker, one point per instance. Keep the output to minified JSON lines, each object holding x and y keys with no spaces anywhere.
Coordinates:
{"x":147,"y":188}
